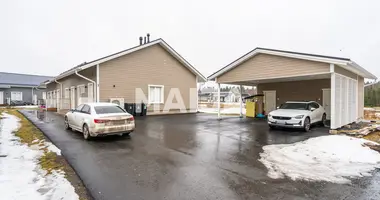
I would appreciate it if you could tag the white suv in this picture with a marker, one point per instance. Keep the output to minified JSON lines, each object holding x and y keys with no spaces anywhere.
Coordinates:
{"x":297,"y":114}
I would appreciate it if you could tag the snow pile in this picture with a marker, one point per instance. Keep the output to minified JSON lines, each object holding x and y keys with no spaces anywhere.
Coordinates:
{"x":20,"y":175}
{"x":333,"y":158}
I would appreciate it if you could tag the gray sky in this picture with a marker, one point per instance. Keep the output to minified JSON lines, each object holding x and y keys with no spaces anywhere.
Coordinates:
{"x":47,"y":37}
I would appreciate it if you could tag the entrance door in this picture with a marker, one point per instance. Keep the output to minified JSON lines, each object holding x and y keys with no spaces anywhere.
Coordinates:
{"x":269,"y":101}
{"x":327,"y":102}
{"x":72,"y":97}
{"x":1,"y":97}
{"x":58,"y":96}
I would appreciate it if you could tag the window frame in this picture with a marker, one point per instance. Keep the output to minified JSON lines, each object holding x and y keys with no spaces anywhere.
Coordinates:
{"x":18,"y":92}
{"x":316,"y":105}
{"x":85,"y":105}
{"x":162,"y":94}
{"x":79,"y":110}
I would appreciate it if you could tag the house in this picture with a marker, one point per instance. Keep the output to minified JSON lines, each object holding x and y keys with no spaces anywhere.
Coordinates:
{"x":152,"y":73}
{"x":21,"y":87}
{"x":336,"y":83}
{"x":232,"y":96}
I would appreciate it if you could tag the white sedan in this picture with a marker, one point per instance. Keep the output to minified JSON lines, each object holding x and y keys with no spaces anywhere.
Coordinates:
{"x":297,"y":114}
{"x":99,"y":119}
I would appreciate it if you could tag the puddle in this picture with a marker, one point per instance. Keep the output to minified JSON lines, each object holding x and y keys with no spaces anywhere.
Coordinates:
{"x":41,"y":115}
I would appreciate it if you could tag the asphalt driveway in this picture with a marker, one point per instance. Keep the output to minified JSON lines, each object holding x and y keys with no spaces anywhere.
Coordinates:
{"x":190,"y":156}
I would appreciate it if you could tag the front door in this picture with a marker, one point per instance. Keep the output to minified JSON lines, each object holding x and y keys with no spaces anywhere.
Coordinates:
{"x":269,"y":101}
{"x":327,"y":102}
{"x":1,"y":97}
{"x":72,"y":97}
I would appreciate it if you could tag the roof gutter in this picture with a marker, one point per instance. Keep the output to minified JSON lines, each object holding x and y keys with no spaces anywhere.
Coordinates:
{"x":89,"y":80}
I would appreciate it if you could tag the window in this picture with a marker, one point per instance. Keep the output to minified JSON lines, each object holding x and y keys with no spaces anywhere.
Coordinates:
{"x":156,"y":93}
{"x":67,"y":93}
{"x":81,"y":89}
{"x":295,"y":106}
{"x":86,"y":109}
{"x":17,"y":96}
{"x":79,"y":108}
{"x":43,"y":95}
{"x":108,"y":109}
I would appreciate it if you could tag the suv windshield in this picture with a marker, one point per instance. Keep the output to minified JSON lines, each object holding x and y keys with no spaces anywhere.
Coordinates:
{"x":108,"y":109}
{"x":295,"y":106}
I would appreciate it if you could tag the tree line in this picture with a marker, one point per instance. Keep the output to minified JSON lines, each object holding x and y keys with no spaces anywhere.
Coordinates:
{"x":372,"y":95}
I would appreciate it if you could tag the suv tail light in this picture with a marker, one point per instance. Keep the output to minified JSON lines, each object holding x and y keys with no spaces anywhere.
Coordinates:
{"x":100,"y":121}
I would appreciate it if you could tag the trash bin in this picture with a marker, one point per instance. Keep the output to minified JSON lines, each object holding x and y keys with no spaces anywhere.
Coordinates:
{"x":138,"y":107}
{"x":144,"y":109}
{"x":130,"y":108}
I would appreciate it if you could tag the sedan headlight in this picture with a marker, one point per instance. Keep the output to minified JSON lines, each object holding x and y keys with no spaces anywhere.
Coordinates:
{"x":269,"y":116}
{"x":298,"y":117}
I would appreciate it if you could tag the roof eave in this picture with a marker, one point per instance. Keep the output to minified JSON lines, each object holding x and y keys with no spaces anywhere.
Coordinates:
{"x":364,"y":72}
{"x":337,"y":61}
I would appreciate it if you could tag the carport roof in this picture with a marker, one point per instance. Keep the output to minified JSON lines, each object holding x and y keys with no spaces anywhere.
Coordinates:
{"x":343,"y":62}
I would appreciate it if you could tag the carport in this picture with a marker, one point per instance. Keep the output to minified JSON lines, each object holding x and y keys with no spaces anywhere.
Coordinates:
{"x":336,"y":83}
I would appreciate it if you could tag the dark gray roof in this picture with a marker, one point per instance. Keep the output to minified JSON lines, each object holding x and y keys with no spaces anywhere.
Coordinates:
{"x":22,"y":79}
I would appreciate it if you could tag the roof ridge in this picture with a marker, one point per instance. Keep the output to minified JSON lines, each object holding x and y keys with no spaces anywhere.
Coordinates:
{"x":26,"y":74}
{"x":302,"y":53}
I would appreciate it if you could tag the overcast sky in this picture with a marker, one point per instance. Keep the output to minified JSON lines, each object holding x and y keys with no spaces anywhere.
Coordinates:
{"x":49,"y":36}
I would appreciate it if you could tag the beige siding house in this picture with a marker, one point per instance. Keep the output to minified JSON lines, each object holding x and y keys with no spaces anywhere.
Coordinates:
{"x":152,"y":73}
{"x":336,"y":83}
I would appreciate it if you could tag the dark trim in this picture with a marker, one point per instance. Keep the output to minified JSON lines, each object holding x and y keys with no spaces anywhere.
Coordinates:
{"x":282,"y":51}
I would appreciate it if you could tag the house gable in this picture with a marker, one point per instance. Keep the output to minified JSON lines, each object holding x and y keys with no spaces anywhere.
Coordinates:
{"x":265,"y":66}
{"x":120,"y":77}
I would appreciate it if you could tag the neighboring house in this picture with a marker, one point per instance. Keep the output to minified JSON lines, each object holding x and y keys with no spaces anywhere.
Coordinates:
{"x":21,"y":87}
{"x":152,"y":73}
{"x":210,"y":95}
{"x":336,"y":83}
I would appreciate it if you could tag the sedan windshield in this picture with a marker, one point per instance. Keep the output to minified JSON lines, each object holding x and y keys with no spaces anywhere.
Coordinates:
{"x":294,"y":106}
{"x":108,"y":109}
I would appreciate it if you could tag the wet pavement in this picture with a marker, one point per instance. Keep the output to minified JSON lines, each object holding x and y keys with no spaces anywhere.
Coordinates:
{"x":190,"y":156}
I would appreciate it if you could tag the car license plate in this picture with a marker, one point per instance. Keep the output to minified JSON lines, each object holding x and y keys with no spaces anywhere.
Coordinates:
{"x":280,"y":122}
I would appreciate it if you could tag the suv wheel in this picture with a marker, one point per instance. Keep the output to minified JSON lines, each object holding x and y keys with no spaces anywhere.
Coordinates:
{"x":323,"y":121}
{"x":306,"y":124}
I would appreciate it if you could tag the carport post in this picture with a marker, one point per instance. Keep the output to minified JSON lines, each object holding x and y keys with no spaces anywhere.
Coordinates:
{"x":218,"y":100}
{"x":241,"y":101}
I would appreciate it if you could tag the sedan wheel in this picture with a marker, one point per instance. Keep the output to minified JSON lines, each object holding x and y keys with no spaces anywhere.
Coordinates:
{"x":306,"y":125}
{"x":86,"y":132}
{"x":67,"y":125}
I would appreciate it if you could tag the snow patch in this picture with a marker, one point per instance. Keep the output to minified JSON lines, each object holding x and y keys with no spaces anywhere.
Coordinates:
{"x":20,"y":175}
{"x":333,"y":158}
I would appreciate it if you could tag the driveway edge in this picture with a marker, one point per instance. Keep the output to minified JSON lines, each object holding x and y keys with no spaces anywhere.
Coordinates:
{"x":22,"y":112}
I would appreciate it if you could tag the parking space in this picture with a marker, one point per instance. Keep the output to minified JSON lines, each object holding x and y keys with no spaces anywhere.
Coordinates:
{"x":192,"y":156}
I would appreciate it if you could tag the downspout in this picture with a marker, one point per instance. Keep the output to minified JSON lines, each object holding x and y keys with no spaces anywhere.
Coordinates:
{"x":33,"y":92}
{"x":94,"y":83}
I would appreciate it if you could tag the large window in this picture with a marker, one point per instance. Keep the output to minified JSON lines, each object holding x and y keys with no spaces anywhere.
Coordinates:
{"x":156,"y":94}
{"x":17,"y":96}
